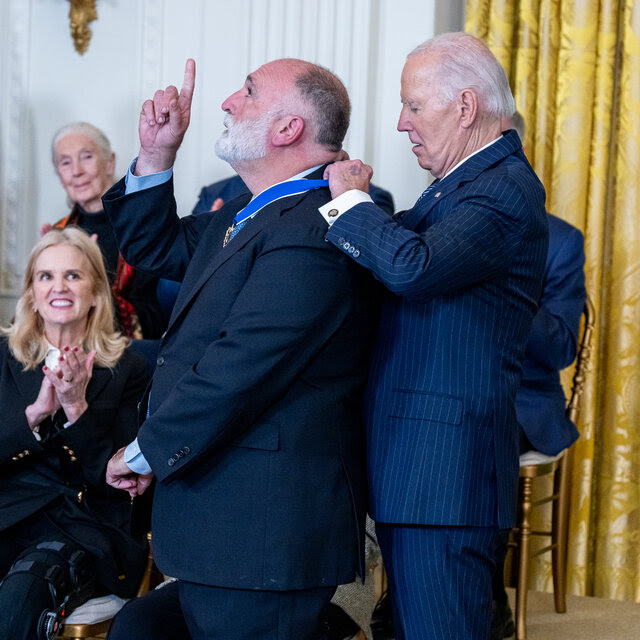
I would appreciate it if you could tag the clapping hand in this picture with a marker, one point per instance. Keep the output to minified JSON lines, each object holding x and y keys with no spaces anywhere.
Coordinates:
{"x":45,"y":405}
{"x":70,"y":380}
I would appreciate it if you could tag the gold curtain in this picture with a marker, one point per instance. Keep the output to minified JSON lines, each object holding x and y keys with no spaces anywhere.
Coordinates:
{"x":574,"y":67}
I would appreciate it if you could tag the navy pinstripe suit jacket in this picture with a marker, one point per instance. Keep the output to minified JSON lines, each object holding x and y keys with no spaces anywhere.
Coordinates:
{"x":464,"y":268}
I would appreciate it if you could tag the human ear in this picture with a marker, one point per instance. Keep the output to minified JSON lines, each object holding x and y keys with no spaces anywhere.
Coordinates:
{"x":289,"y":130}
{"x":467,"y":107}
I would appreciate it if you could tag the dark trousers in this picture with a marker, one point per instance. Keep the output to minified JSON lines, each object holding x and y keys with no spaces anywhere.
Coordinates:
{"x":184,"y":610}
{"x":440,"y":580}
{"x":23,"y":595}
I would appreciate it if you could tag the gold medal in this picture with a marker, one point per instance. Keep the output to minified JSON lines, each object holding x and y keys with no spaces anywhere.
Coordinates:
{"x":228,"y":235}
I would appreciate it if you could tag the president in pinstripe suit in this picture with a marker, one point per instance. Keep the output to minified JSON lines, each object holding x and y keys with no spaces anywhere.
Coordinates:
{"x":463,"y":269}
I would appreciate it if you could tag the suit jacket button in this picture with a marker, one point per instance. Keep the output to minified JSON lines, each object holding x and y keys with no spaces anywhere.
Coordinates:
{"x":160,"y":361}
{"x":171,"y":462}
{"x":346,"y":246}
{"x":340,"y":241}
{"x":186,"y":450}
{"x":356,"y":253}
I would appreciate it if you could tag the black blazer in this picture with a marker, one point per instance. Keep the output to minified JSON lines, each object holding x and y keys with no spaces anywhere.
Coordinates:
{"x":254,"y":431}
{"x":63,"y":475}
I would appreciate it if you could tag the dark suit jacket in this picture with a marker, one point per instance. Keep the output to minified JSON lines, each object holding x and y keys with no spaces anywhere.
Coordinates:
{"x":48,"y":476}
{"x":464,"y":269}
{"x":552,"y":345}
{"x":254,"y":432}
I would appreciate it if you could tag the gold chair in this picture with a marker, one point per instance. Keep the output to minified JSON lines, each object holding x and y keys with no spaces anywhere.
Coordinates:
{"x":536,"y":465}
{"x":95,"y":626}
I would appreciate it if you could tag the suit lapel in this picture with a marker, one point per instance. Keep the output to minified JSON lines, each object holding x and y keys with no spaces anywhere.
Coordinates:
{"x":214,"y":255}
{"x":508,"y":144}
{"x":207,"y":251}
{"x":27,"y":382}
{"x":99,"y":380}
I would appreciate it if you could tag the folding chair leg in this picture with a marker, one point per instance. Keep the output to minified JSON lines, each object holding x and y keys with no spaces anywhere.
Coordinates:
{"x":560,"y":528}
{"x":524,"y":535}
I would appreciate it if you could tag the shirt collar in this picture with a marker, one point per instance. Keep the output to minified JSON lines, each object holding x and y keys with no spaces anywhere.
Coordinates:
{"x":470,"y":156}
{"x":302,"y":174}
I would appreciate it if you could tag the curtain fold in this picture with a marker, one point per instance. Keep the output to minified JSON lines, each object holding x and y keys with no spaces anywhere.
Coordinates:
{"x":574,"y":68}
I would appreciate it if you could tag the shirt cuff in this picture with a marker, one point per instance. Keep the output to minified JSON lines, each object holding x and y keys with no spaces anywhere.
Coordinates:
{"x":336,"y":207}
{"x":138,"y":183}
{"x":135,"y":460}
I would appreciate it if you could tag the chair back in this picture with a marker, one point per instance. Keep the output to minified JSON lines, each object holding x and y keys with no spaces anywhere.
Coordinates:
{"x":583,"y":361}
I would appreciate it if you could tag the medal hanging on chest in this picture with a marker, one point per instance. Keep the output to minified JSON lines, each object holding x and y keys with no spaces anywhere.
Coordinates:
{"x":227,"y":236}
{"x":277,"y":191}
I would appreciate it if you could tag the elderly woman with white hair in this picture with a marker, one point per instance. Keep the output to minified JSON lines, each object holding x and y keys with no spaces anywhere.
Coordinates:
{"x":85,"y":164}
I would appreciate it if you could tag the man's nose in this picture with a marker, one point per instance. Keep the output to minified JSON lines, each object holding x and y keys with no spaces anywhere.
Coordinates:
{"x":403,"y":124}
{"x":230,"y":104}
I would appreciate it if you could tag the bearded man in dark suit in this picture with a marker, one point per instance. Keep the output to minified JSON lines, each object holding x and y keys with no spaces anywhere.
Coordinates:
{"x":254,"y":433}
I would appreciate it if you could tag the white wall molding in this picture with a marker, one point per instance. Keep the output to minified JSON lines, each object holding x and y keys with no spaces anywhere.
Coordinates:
{"x":16,"y":141}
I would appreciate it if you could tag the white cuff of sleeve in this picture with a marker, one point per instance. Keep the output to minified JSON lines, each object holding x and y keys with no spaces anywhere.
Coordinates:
{"x":336,"y":207}
{"x":135,"y":459}
{"x":135,"y":183}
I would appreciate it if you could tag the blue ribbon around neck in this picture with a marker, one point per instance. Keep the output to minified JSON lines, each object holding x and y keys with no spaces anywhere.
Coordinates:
{"x":277,"y":191}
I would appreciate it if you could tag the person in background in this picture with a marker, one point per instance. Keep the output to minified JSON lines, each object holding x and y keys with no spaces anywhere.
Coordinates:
{"x":552,"y":346}
{"x":69,"y":389}
{"x":464,"y":270}
{"x":85,"y":164}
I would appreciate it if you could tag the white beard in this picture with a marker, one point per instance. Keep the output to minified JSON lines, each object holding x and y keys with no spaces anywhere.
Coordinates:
{"x":245,"y":140}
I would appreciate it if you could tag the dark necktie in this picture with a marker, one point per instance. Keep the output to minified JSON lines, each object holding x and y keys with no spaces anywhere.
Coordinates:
{"x":413,"y":216}
{"x":428,"y":190}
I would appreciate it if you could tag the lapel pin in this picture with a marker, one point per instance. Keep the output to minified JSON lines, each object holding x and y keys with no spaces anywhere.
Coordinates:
{"x":437,"y":194}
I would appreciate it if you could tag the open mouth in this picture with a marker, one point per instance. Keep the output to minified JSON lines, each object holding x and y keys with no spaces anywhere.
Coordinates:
{"x":61,"y":304}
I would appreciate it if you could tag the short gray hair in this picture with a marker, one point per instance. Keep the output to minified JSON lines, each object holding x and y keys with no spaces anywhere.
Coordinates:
{"x":467,"y":63}
{"x":329,"y":104}
{"x":83,"y":128}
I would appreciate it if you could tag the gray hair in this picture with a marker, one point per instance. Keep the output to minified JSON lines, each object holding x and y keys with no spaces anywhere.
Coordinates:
{"x":466,"y":62}
{"x":329,"y":104}
{"x":85,"y":129}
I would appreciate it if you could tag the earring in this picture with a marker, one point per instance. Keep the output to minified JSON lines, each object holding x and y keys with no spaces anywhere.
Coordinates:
{"x":35,"y":309}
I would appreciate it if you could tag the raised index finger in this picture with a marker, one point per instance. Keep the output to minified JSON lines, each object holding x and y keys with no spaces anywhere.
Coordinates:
{"x":189,"y":82}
